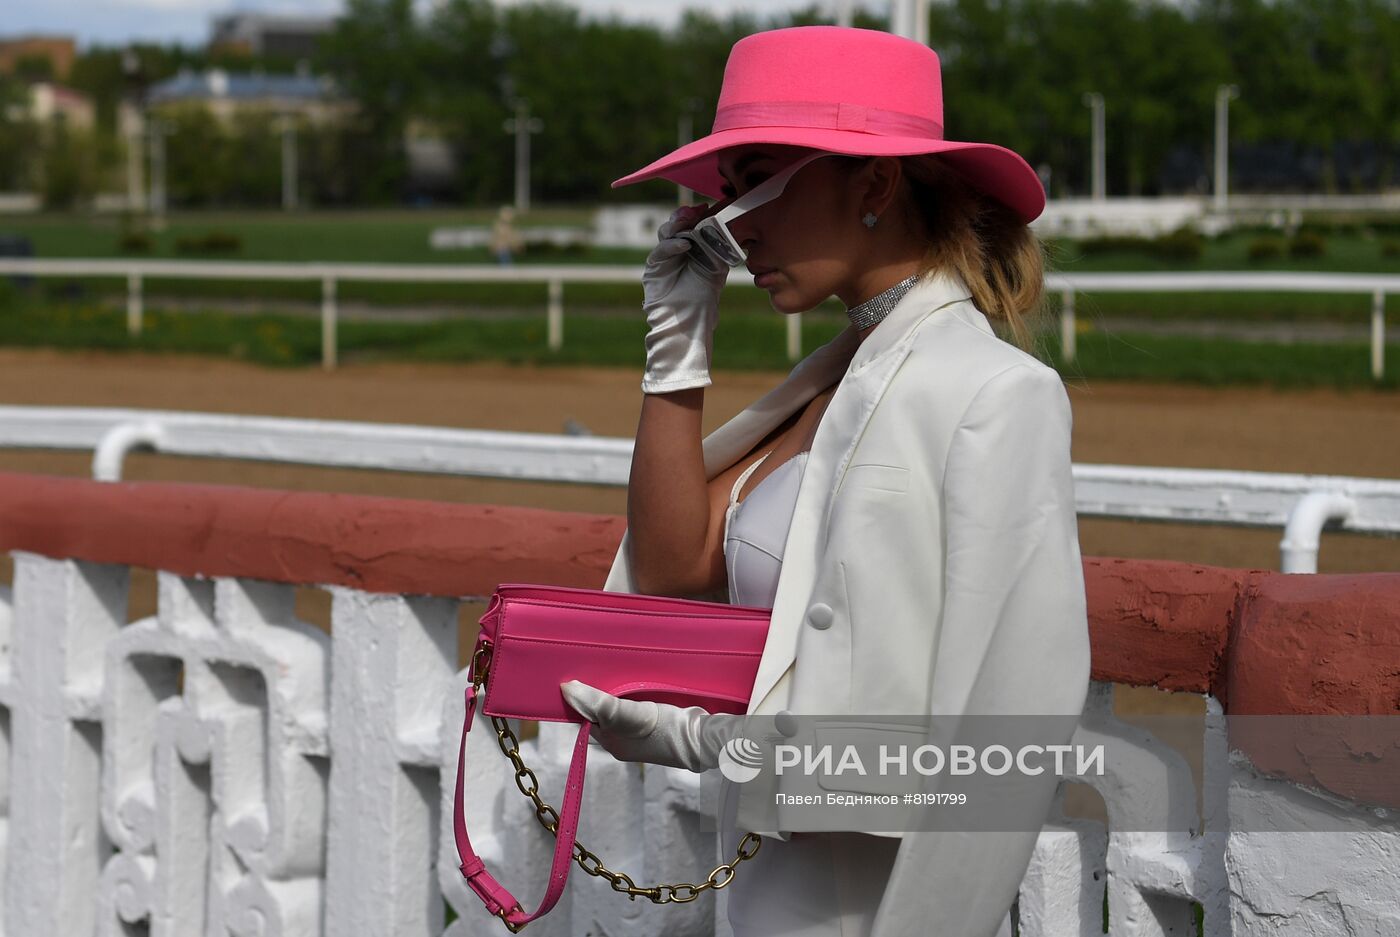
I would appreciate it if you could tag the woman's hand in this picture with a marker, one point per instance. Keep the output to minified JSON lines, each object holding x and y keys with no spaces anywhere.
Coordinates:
{"x":656,"y":733}
{"x":680,"y":295}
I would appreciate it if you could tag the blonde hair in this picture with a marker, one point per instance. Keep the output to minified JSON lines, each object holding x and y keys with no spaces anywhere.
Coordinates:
{"x":981,"y":240}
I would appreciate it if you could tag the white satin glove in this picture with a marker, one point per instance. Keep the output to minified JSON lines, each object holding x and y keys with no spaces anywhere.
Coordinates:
{"x":656,"y":733}
{"x":680,"y":295}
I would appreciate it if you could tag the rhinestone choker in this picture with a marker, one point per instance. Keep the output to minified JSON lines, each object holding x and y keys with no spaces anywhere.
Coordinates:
{"x":874,"y":310}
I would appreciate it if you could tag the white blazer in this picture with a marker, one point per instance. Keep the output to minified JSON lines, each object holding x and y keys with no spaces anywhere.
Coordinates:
{"x":932,"y":565}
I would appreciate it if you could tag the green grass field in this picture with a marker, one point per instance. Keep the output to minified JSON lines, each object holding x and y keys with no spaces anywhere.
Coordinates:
{"x":402,"y":237}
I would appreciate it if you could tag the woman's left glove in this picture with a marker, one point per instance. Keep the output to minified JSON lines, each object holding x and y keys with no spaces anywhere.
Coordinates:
{"x":680,"y":296}
{"x":656,"y":733}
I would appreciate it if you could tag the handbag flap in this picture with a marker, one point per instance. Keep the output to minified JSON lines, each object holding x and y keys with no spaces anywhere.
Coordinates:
{"x":680,"y":651}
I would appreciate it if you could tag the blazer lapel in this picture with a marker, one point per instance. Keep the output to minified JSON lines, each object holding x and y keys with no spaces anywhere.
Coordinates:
{"x":871,"y":368}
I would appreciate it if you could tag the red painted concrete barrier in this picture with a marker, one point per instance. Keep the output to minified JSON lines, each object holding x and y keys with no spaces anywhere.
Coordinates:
{"x":375,"y":544}
{"x":1326,"y":647}
{"x":1158,"y":623}
{"x":1262,"y":642}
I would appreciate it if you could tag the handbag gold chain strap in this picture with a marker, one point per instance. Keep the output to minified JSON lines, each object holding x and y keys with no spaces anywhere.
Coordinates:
{"x":621,"y":882}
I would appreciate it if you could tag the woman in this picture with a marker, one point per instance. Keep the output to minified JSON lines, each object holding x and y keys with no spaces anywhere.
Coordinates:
{"x":902,"y":500}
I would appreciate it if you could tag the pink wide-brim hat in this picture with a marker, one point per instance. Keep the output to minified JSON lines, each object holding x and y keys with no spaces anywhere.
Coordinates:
{"x":859,"y":92}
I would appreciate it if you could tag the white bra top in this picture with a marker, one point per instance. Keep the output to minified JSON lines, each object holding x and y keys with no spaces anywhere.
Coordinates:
{"x":756,"y":529}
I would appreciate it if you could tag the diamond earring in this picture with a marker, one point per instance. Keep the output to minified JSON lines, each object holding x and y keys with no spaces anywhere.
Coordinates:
{"x":870,"y":219}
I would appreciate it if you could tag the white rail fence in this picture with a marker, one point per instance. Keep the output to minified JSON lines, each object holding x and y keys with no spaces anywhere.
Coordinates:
{"x":1302,"y":505}
{"x":137,"y":272}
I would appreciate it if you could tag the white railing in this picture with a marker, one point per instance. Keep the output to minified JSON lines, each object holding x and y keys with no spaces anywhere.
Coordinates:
{"x":136,"y":272}
{"x":1376,"y":286}
{"x":1301,"y":505}
{"x":113,"y":433}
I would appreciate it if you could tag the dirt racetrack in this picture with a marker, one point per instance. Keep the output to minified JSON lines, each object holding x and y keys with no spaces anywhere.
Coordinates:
{"x":1324,"y":431}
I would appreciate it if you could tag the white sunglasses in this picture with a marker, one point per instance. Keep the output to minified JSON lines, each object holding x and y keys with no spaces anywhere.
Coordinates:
{"x":712,"y":236}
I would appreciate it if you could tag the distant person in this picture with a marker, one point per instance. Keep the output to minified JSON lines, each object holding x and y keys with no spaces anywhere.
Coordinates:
{"x":902,"y":501}
{"x":505,"y":240}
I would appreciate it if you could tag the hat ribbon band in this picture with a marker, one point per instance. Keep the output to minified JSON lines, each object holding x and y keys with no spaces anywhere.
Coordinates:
{"x":825,"y":115}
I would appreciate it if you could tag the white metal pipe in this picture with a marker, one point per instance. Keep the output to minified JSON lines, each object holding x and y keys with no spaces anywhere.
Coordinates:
{"x":1303,"y":533}
{"x":118,"y":441}
{"x":794,"y":337}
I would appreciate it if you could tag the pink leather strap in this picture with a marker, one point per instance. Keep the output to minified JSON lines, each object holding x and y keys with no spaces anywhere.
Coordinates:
{"x":495,"y":895}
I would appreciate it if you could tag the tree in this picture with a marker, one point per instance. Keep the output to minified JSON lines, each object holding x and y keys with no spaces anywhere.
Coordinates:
{"x":19,"y":138}
{"x":70,"y":168}
{"x":32,"y":68}
{"x":376,"y":55}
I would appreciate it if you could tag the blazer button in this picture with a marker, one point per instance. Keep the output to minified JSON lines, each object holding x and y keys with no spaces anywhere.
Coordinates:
{"x":785,"y":722}
{"x":820,"y":616}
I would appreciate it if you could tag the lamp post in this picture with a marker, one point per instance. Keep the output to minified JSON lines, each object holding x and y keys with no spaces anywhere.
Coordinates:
{"x":1094,"y":101}
{"x":522,"y":125}
{"x":158,"y":130}
{"x":909,"y":18}
{"x":685,"y":132}
{"x":1224,"y":94}
{"x":288,"y":128}
{"x":131,"y":68}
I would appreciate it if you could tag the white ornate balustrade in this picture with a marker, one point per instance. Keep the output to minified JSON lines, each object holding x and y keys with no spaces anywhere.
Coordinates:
{"x":223,"y":768}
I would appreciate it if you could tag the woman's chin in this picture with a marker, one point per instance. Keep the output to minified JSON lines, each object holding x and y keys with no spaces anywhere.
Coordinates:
{"x":791,"y":304}
{"x":784,"y":301}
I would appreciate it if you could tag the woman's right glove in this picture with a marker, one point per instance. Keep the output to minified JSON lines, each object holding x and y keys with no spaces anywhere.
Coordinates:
{"x":655,"y":733}
{"x":680,"y":295}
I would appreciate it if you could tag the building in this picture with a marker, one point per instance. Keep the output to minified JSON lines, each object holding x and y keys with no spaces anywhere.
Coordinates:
{"x":259,"y":34}
{"x":225,"y":94}
{"x":50,"y":103}
{"x":59,"y":50}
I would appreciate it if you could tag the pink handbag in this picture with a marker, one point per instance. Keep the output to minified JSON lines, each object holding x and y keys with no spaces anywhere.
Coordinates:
{"x":643,"y":647}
